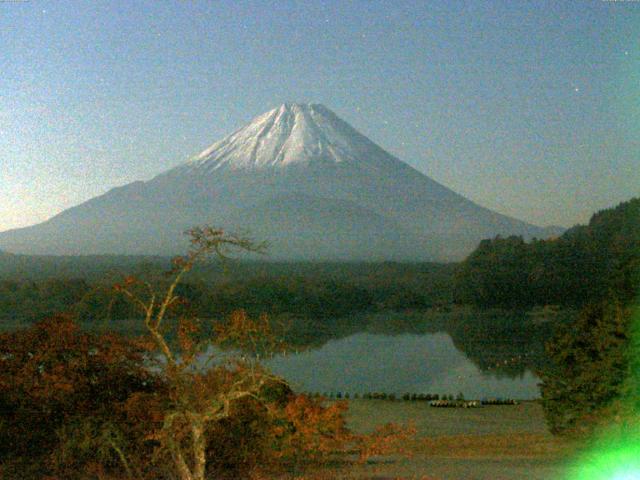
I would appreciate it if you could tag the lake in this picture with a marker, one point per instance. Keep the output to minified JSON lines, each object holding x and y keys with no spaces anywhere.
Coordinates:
{"x":414,"y":363}
{"x":479,"y":353}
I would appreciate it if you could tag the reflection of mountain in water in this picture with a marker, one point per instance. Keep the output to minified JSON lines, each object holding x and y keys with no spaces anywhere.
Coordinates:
{"x":504,"y":344}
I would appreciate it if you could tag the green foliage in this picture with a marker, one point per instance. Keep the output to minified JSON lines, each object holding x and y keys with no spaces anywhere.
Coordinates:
{"x":496,"y":274}
{"x":29,"y":301}
{"x":595,"y":268}
{"x":322,"y":291}
{"x":589,"y":367}
{"x":586,"y":264}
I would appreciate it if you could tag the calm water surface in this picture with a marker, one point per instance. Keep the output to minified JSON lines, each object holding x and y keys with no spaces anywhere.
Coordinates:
{"x":424,"y":363}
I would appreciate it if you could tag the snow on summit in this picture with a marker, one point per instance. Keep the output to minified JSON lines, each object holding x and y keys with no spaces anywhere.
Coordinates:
{"x":298,"y":177}
{"x":290,"y":134}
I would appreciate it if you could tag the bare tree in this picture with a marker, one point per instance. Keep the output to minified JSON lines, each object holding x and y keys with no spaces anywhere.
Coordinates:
{"x":203,"y":386}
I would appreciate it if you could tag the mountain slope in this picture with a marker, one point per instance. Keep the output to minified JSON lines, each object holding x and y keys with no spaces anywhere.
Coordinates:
{"x":297,"y":176}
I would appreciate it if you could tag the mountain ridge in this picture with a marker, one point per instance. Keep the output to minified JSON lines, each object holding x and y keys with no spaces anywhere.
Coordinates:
{"x":341,"y":179}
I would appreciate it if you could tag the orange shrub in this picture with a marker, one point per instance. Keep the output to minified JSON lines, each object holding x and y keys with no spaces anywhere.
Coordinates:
{"x":61,"y":391}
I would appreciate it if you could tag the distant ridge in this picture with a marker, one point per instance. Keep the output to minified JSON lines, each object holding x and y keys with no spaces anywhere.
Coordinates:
{"x":297,"y":176}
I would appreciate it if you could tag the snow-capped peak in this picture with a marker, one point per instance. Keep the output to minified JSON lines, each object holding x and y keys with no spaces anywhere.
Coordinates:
{"x":290,"y":134}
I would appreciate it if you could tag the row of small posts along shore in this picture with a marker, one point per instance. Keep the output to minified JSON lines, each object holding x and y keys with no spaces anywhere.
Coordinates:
{"x":434,"y":400}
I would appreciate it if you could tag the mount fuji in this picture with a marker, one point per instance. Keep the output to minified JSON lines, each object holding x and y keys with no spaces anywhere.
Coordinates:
{"x":298,"y":177}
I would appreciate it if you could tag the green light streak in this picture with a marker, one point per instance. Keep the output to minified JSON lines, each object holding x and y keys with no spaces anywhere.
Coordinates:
{"x":614,"y":453}
{"x":615,"y":457}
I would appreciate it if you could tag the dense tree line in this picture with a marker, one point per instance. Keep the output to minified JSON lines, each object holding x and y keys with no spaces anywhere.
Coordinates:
{"x":592,"y":376}
{"x":588,"y":378}
{"x":586,"y":264}
{"x":213,"y":294}
{"x":26,"y":301}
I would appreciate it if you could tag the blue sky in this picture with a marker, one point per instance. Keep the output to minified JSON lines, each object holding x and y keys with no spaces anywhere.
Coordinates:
{"x":528,"y":108}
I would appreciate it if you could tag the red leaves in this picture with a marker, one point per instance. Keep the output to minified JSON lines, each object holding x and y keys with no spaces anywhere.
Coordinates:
{"x":145,"y":410}
{"x":386,"y":440}
{"x":187,"y":331}
{"x":54,"y":358}
{"x":179,"y":263}
{"x":254,"y":336}
{"x":100,"y":387}
{"x":128,"y":282}
{"x":308,"y":431}
{"x":55,"y":376}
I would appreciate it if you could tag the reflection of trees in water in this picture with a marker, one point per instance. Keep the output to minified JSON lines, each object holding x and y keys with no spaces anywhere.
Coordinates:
{"x":501,"y":346}
{"x":501,"y":343}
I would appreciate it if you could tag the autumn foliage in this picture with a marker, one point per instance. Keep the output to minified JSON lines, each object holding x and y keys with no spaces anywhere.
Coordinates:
{"x":63,"y":392}
{"x":172,"y":404}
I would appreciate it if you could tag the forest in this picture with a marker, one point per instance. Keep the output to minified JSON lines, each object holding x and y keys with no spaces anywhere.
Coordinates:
{"x":588,"y":263}
{"x":40,"y":287}
{"x":591,"y":377}
{"x":78,"y":396}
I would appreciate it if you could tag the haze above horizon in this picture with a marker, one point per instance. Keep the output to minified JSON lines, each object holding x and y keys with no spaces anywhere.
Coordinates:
{"x":530,"y":110}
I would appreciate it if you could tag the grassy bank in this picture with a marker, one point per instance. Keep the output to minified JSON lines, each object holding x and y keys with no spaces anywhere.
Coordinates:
{"x":488,"y":443}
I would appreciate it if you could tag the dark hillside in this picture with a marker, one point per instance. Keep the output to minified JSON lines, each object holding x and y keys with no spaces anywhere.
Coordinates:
{"x":587,"y":263}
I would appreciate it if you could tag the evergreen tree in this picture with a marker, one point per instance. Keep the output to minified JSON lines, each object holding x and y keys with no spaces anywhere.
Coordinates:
{"x":589,"y":367}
